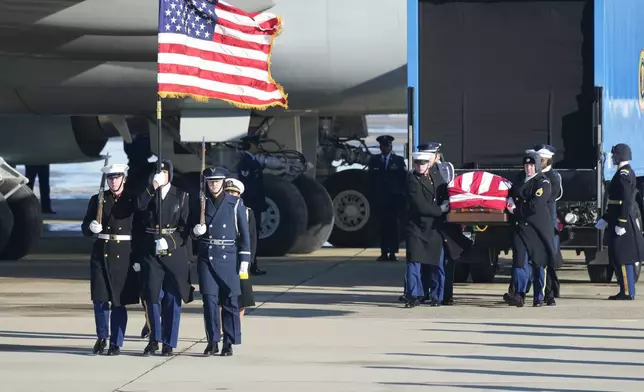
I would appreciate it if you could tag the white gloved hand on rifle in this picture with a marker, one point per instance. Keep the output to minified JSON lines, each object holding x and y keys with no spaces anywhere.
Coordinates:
{"x":159,"y":178}
{"x":95,"y":227}
{"x":161,"y":244}
{"x":199,"y":230}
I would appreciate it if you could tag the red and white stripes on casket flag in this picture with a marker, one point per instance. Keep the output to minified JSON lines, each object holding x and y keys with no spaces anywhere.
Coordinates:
{"x":478,"y":189}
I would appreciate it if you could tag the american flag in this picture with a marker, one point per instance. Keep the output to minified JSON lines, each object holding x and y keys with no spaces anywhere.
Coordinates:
{"x":209,"y":49}
{"x":478,"y":189}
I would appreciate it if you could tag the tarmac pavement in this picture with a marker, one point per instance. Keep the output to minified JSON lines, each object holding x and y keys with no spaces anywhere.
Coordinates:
{"x":329,"y":321}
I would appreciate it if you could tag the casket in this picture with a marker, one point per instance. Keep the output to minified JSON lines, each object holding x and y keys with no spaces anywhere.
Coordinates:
{"x":478,"y":197}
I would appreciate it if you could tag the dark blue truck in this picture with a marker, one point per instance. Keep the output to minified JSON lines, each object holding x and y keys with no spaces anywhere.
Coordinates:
{"x":489,"y":79}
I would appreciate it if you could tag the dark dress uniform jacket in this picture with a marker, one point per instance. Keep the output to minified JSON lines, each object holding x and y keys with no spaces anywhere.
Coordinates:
{"x":627,"y":248}
{"x":533,"y":226}
{"x":252,"y":176}
{"x":426,"y":230}
{"x":555,"y":194}
{"x":112,"y":277}
{"x":176,"y":263}
{"x":387,"y":183}
{"x":218,"y":264}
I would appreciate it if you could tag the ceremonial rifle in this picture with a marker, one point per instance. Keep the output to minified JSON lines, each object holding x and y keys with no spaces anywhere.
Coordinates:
{"x":101,"y":190}
{"x":202,"y":193}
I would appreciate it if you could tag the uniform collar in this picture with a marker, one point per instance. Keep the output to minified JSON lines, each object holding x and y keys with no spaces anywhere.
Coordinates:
{"x":547,"y":169}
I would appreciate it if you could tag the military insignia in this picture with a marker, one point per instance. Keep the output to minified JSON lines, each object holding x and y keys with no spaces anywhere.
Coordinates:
{"x":539,"y":192}
{"x":245,"y":173}
{"x":624,"y":172}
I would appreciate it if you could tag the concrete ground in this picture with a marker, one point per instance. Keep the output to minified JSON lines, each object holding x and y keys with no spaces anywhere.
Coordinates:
{"x":329,"y":321}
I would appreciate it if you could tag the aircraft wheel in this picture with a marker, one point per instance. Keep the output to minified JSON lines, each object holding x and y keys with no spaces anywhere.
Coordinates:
{"x":355,"y":222}
{"x":320,"y":215}
{"x":6,"y":222}
{"x":284,"y":220}
{"x":27,"y":221}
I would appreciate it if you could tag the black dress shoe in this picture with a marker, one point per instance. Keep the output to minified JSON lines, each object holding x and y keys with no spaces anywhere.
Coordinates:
{"x":114,"y":350}
{"x":166,"y":351}
{"x":402,"y":298}
{"x":392,"y":257}
{"x":211,"y":349}
{"x":151,"y":348}
{"x":145,"y":332}
{"x":621,"y":297}
{"x":99,"y":346}
{"x":433,"y":303}
{"x":515,"y":300}
{"x":448,"y":302}
{"x":227,"y":350}
{"x":383,"y":257}
{"x":256,"y":271}
{"x":537,"y":304}
{"x":551,"y":302}
{"x":412,"y":303}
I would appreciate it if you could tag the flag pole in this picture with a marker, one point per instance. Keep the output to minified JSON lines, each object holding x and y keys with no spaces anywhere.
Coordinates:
{"x":159,"y":157}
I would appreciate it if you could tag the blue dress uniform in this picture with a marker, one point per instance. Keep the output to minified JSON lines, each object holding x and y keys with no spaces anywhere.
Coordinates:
{"x":387,"y":172}
{"x":252,"y":176}
{"x":112,"y":278}
{"x":532,"y":244}
{"x":165,"y":276}
{"x":225,"y":240}
{"x":624,"y":237}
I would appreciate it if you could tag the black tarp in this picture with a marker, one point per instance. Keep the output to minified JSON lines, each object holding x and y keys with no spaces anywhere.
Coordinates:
{"x":497,"y":77}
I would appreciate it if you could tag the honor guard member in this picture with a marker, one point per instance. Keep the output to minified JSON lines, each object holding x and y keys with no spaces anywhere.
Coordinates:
{"x":247,"y":298}
{"x":427,"y":206}
{"x":623,"y":234}
{"x":252,"y":176}
{"x":112,"y":276}
{"x":223,"y":240}
{"x":387,"y":172}
{"x":165,"y":266}
{"x":532,"y":244}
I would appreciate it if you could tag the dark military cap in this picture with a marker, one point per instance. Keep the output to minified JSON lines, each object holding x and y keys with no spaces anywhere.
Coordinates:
{"x":385,"y":139}
{"x":532,"y":158}
{"x":622,"y":152}
{"x":429,"y":147}
{"x":215,"y":173}
{"x":166,"y":164}
{"x":251,"y":138}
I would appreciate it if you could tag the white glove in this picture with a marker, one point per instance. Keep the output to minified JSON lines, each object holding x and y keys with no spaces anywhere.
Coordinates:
{"x":620,"y":230}
{"x":159,"y":178}
{"x":136,"y":267}
{"x":601,"y":224}
{"x":95,"y":227}
{"x":199,"y":230}
{"x":243,"y":270}
{"x":162,"y":244}
{"x":445,"y":206}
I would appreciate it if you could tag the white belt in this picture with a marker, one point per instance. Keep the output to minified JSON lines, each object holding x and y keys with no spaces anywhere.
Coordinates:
{"x":114,"y":237}
{"x":219,"y":242}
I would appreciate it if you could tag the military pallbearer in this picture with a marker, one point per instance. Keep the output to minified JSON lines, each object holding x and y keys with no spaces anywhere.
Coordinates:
{"x":623,"y":234}
{"x":113,"y":279}
{"x":223,"y":240}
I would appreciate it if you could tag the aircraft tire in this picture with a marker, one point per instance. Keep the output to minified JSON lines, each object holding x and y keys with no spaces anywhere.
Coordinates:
{"x":320,"y":215}
{"x":284,"y":220}
{"x":27,"y":221}
{"x":355,"y":221}
{"x":6,"y":222}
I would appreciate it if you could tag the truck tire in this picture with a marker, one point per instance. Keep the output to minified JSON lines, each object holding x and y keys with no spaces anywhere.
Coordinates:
{"x":27,"y":221}
{"x":485,"y":270}
{"x":320,"y":215}
{"x":638,"y":270}
{"x":6,"y":222}
{"x":461,"y":272}
{"x":284,"y":220}
{"x":355,"y":222}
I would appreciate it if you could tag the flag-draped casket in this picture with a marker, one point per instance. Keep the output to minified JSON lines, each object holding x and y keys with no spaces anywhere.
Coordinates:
{"x":478,"y":189}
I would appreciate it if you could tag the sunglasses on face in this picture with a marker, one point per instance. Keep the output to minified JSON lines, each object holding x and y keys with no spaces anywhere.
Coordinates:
{"x":420,"y":162}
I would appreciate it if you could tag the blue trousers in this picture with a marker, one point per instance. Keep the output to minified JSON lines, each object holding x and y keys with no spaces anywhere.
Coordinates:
{"x":523,"y":276}
{"x":116,"y":322}
{"x":164,"y":316}
{"x":414,"y":282}
{"x":626,"y":279}
{"x":230,"y":320}
{"x":433,"y":279}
